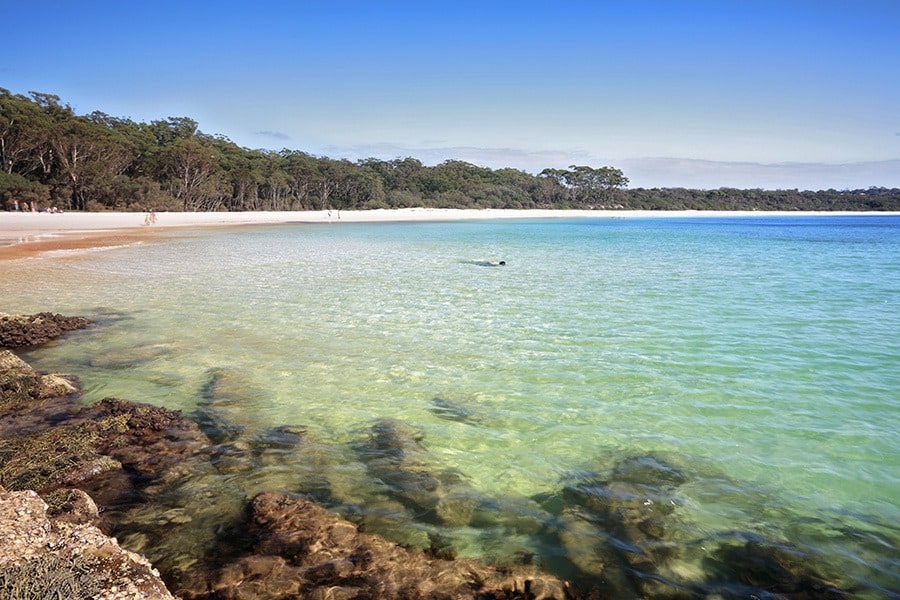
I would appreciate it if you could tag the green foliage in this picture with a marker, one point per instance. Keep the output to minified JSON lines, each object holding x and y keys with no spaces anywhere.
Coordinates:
{"x":586,"y":185}
{"x":17,"y":187}
{"x":52,"y":156}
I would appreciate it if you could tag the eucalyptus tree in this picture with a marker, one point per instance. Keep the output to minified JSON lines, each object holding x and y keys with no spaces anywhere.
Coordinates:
{"x":302,"y":170}
{"x":274,"y":190}
{"x":24,"y":128}
{"x":588,"y":185}
{"x":90,"y":157}
{"x":406,"y":175}
{"x":188,"y":164}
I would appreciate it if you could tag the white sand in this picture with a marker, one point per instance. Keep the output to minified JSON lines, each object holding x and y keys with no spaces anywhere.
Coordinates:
{"x":38,"y":223}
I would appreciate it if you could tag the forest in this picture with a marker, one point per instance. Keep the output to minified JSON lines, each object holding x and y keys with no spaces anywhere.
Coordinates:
{"x":52,"y":157}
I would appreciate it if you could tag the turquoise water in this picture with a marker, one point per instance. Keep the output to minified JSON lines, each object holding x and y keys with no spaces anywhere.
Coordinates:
{"x":762,"y":355}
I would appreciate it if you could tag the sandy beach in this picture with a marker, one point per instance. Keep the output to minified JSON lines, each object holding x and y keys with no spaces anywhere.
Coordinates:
{"x":26,"y":234}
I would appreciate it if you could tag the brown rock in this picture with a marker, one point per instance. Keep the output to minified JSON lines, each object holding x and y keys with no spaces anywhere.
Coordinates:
{"x":22,"y":331}
{"x":42,"y":558}
{"x":303,"y":550}
{"x":19,"y":383}
{"x":73,"y":506}
{"x":54,"y":385}
{"x":50,"y":458}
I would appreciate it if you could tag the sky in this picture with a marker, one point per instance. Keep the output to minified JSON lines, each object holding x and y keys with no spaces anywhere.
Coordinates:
{"x":741,"y":93}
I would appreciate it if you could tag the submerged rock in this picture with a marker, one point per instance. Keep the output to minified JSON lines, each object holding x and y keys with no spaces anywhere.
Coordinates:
{"x":223,"y":404}
{"x":283,"y":437}
{"x":23,"y":331}
{"x":453,"y":410}
{"x":621,"y":534}
{"x":302,"y":551}
{"x":181,"y":519}
{"x":127,"y":358}
{"x":147,"y":475}
{"x":395,"y":456}
{"x":419,"y":505}
{"x":753,"y":566}
{"x":613,"y":525}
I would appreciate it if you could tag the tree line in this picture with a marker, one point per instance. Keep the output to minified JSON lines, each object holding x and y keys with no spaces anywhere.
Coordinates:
{"x":51,"y":156}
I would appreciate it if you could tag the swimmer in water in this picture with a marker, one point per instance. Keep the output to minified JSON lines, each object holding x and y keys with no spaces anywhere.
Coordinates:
{"x":490,"y":263}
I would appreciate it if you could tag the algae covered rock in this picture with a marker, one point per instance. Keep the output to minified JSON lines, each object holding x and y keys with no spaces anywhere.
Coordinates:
{"x":47,"y":459}
{"x":23,"y":331}
{"x":20,"y":383}
{"x":72,"y":505}
{"x":303,"y":551}
{"x":144,"y":473}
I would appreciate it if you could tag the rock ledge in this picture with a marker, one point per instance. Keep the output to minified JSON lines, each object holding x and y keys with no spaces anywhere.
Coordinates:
{"x":43,"y":557}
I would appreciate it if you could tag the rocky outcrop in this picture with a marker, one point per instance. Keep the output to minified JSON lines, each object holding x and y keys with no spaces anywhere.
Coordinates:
{"x":23,"y":331}
{"x":19,"y":383}
{"x":75,"y":457}
{"x":55,"y":557}
{"x":117,"y":466}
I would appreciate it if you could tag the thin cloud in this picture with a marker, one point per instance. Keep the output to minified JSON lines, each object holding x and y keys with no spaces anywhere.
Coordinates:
{"x":276,"y":135}
{"x":708,"y":174}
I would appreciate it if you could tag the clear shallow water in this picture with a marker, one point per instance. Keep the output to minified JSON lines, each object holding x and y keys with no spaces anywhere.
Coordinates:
{"x":761,"y":354}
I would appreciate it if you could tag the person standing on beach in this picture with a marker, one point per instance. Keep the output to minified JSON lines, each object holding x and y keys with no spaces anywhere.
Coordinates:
{"x":15,"y":205}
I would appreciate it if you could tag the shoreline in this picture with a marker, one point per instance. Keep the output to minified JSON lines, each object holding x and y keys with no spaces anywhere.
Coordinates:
{"x":28,"y":234}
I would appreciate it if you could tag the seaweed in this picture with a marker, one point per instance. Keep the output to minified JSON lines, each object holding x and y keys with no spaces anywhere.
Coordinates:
{"x":51,"y":458}
{"x":49,"y":577}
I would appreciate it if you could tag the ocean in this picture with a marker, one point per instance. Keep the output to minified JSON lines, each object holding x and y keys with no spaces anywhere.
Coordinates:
{"x":744,"y":371}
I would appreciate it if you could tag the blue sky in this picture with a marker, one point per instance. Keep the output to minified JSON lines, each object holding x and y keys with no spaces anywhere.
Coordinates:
{"x":752,"y":93}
